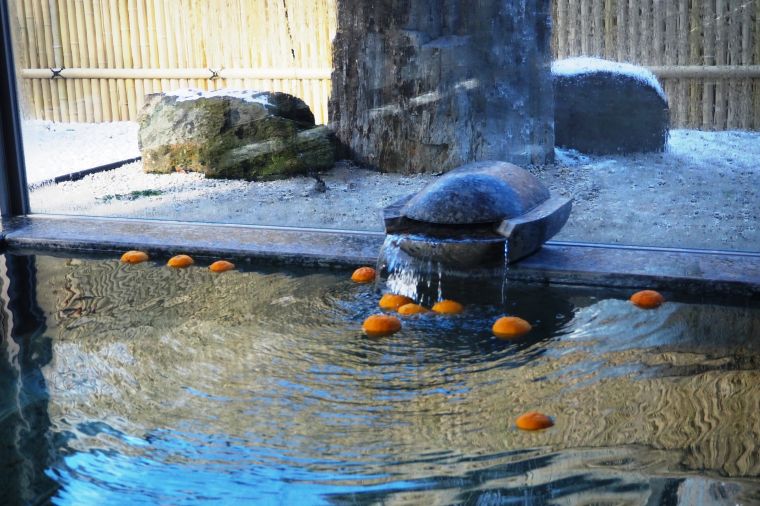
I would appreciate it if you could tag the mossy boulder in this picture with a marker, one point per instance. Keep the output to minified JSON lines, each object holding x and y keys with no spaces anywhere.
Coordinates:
{"x":232,"y":134}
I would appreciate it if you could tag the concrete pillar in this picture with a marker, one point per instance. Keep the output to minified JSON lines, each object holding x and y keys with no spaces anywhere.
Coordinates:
{"x":428,"y":85}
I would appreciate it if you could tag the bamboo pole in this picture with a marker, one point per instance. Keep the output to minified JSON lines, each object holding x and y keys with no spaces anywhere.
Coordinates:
{"x":62,"y":112}
{"x":681,"y":33}
{"x":22,"y":59}
{"x":756,"y":97}
{"x":81,"y":32}
{"x":49,"y":58}
{"x":645,"y":40}
{"x":68,"y":58}
{"x":75,"y":60}
{"x":622,"y":30}
{"x":695,"y":47}
{"x":746,"y":59}
{"x":585,"y":19}
{"x":109,"y":40}
{"x":609,"y":30}
{"x":129,"y":107}
{"x":244,"y":73}
{"x":573,"y":45}
{"x":161,"y":41}
{"x":561,"y":28}
{"x":39,"y":56}
{"x":144,"y":50}
{"x":721,"y":49}
{"x":171,"y":41}
{"x":733,"y":53}
{"x":597,"y":41}
{"x":119,"y":99}
{"x":94,"y":99}
{"x":634,"y":26}
{"x":150,"y":15}
{"x":104,"y":114}
{"x":708,"y":95}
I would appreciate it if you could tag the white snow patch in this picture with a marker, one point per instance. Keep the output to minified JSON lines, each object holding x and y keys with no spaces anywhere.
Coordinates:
{"x":55,"y":149}
{"x":251,"y":96}
{"x":585,"y":65}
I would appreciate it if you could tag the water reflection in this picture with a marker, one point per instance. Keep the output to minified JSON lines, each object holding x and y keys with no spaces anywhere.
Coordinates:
{"x":24,"y":422}
{"x":176,"y":386}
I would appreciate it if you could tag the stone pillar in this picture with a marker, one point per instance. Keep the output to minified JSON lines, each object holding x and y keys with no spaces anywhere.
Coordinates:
{"x":428,"y":85}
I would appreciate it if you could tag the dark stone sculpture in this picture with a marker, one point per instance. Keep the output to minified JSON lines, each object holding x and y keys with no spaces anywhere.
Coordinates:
{"x":428,"y":85}
{"x":604,"y":107}
{"x":465,"y":217}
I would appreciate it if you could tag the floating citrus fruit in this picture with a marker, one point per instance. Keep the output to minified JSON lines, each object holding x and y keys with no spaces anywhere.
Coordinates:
{"x":379,"y":325}
{"x":533,"y":420}
{"x":221,"y":266}
{"x":391,"y":301}
{"x":508,"y":327}
{"x":363,"y":275}
{"x":647,"y":299}
{"x":448,"y":307}
{"x":134,"y":257}
{"x":180,"y":261}
{"x":410,"y":309}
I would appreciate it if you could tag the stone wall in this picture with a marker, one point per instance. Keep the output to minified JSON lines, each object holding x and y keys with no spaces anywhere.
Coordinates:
{"x":428,"y":85}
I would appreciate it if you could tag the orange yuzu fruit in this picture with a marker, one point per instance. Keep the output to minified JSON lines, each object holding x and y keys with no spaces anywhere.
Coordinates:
{"x":410,"y":309}
{"x":647,"y":299}
{"x":508,"y":327}
{"x":392,"y":301}
{"x":134,"y":257}
{"x":221,"y":266}
{"x":448,"y":307}
{"x":533,"y":420}
{"x":363,"y":275}
{"x":180,"y":261}
{"x":379,"y":325}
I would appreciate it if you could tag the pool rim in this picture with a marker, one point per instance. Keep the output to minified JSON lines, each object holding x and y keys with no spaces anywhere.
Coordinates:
{"x":703,"y":272}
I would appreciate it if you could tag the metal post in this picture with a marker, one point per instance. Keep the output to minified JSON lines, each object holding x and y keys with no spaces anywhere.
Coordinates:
{"x":14,"y":196}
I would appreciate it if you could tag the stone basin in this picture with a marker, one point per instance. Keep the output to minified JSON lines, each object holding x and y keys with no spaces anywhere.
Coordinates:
{"x":474,"y":214}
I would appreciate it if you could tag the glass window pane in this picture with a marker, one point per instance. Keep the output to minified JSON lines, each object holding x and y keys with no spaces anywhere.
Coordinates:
{"x":408,"y":104}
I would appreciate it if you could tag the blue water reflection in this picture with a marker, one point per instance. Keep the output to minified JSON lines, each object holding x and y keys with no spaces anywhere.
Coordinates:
{"x":144,"y":385}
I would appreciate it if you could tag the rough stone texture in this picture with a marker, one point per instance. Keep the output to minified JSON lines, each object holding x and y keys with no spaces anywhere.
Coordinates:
{"x":428,"y":85}
{"x":606,"y":112}
{"x":236,"y":136}
{"x":467,"y":217}
{"x":479,"y":192}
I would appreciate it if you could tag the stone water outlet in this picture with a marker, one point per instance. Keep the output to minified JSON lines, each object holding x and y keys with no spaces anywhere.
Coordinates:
{"x":478,"y":215}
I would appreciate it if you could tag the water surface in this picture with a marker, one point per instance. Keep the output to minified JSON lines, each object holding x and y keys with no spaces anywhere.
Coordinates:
{"x":145,"y":385}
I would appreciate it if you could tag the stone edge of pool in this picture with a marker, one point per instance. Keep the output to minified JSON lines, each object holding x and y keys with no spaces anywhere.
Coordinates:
{"x":689,"y":271}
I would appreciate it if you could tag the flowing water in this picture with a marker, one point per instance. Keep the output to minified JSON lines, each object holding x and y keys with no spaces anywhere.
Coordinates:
{"x":146,"y":385}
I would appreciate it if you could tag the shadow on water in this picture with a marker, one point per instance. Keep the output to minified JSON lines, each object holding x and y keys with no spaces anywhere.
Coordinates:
{"x":25,"y":435}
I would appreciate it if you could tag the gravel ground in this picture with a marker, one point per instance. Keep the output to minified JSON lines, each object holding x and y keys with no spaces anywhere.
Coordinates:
{"x":701,"y":193}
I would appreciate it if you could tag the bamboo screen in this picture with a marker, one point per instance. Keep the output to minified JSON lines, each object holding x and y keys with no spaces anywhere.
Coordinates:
{"x":705,"y":52}
{"x":113,"y":52}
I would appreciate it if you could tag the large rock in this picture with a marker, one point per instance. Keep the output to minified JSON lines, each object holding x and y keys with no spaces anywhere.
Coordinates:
{"x":604,"y":107}
{"x":232,"y":134}
{"x":428,"y":85}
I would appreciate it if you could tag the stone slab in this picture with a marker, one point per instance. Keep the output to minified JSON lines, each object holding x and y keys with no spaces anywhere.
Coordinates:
{"x":696,"y":272}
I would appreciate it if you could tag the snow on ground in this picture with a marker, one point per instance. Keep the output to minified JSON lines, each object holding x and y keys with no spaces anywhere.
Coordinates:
{"x":54,"y":149}
{"x":703,"y":192}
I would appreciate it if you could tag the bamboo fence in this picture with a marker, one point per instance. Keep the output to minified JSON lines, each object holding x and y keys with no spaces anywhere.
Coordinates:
{"x":95,"y":60}
{"x":107,"y":54}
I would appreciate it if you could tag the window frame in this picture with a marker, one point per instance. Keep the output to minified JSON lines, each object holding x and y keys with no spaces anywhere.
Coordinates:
{"x":14,"y":194}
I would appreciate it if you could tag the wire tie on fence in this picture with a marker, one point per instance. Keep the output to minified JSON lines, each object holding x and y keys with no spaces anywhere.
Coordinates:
{"x":57,"y":73}
{"x":214,"y":73}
